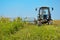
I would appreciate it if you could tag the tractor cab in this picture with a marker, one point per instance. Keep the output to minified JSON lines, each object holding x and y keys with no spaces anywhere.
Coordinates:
{"x":44,"y":13}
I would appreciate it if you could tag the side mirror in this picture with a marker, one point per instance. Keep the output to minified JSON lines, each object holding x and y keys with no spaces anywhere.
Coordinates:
{"x":52,"y":9}
{"x":36,"y":9}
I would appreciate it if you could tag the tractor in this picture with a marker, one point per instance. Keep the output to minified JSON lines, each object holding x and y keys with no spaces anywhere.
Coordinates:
{"x":44,"y":16}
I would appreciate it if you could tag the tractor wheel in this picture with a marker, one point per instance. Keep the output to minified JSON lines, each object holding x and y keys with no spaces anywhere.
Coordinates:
{"x":39,"y":23}
{"x":50,"y":22}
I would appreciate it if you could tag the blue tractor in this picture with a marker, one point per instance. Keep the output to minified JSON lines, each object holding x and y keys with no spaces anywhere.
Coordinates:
{"x":44,"y":16}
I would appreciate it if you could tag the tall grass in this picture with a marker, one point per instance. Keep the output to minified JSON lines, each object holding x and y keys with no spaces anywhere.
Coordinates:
{"x":8,"y":27}
{"x":19,"y":30}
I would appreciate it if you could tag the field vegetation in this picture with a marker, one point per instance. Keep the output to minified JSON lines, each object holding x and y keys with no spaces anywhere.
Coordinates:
{"x":16,"y":29}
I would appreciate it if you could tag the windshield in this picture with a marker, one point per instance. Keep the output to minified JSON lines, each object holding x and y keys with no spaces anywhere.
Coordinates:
{"x":43,"y":12}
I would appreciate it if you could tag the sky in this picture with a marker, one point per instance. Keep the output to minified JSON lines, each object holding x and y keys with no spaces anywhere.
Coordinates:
{"x":26,"y":8}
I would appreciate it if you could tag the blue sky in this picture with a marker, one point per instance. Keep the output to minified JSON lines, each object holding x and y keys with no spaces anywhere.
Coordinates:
{"x":26,"y":8}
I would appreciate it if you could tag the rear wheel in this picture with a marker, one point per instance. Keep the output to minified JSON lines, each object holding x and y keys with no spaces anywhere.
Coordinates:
{"x":50,"y":22}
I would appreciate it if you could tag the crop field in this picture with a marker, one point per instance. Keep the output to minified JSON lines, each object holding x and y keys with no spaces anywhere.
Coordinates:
{"x":16,"y":29}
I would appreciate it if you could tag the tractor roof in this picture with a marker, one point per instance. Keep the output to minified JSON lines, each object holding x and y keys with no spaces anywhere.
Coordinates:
{"x":44,"y":7}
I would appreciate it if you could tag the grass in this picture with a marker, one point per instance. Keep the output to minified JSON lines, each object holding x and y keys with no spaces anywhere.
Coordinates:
{"x":47,"y":32}
{"x":19,"y":30}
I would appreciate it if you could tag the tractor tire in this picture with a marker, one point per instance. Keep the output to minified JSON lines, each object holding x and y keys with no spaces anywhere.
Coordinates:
{"x":50,"y":22}
{"x":39,"y":23}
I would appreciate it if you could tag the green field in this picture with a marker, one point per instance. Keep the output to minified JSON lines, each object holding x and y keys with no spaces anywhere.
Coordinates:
{"x":19,"y":30}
